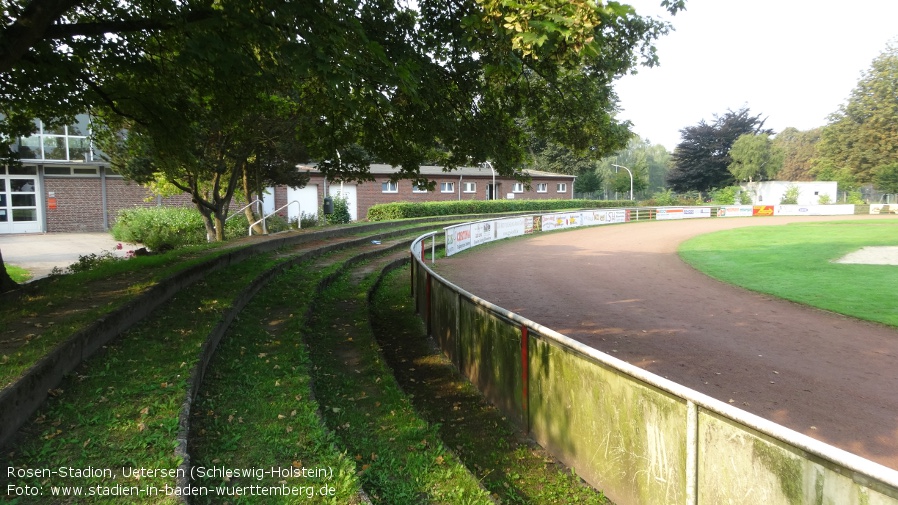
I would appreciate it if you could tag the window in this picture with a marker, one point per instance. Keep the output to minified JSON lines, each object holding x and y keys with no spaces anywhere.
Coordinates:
{"x":518,"y":187}
{"x":542,"y":187}
{"x":470,"y":187}
{"x":447,"y":187}
{"x":389,"y":187}
{"x":562,"y":187}
{"x":56,"y":170}
{"x":419,"y":188}
{"x":63,"y":143}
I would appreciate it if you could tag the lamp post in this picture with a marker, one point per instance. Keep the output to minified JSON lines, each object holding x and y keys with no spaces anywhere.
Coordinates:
{"x":493,"y":193}
{"x":631,"y":178}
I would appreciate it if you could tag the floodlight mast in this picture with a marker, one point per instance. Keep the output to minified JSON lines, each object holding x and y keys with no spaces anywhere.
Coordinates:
{"x":631,"y":178}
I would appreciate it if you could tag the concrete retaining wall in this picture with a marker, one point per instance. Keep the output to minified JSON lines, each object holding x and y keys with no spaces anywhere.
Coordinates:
{"x":638,"y":437}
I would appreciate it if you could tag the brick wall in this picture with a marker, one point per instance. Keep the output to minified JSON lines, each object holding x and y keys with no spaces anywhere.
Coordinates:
{"x":79,"y":199}
{"x":78,"y":204}
{"x":371,"y":193}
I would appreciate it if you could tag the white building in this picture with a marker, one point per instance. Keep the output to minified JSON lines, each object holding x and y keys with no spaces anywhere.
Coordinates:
{"x":809,"y":193}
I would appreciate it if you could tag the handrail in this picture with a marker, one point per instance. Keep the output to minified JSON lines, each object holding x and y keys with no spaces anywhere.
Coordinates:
{"x":241,"y":209}
{"x":275,"y":211}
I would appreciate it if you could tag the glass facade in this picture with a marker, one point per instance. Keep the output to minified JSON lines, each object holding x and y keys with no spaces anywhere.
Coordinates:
{"x":57,"y":143}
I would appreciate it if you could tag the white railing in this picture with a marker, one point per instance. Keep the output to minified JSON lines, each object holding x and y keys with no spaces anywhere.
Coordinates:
{"x":275,"y":211}
{"x":241,"y":209}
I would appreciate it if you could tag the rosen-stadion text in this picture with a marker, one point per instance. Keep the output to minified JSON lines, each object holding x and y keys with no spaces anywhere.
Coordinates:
{"x":142,"y":482}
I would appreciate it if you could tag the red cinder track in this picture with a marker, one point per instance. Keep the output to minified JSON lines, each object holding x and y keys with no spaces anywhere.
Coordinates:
{"x":623,"y":290}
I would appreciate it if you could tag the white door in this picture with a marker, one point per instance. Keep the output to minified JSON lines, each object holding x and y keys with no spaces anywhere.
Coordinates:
{"x":19,"y":209}
{"x":268,"y":201}
{"x":308,"y":202}
{"x":349,"y":192}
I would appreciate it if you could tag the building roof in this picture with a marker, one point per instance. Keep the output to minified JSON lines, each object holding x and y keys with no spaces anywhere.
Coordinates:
{"x":430,"y":170}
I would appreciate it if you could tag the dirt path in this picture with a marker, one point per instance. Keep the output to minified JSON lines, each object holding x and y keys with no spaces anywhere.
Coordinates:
{"x":624,"y":291}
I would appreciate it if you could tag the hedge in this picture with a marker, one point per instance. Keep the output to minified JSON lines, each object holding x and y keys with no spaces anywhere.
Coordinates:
{"x":172,"y":227}
{"x":405,"y":210}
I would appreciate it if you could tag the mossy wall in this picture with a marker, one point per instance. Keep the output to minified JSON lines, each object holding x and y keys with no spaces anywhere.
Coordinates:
{"x":491,"y":358}
{"x":739,"y":465}
{"x":445,"y":314}
{"x":626,"y":438}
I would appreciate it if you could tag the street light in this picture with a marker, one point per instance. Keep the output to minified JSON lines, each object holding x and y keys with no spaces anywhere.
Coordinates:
{"x":631,"y":178}
{"x":493,"y":194}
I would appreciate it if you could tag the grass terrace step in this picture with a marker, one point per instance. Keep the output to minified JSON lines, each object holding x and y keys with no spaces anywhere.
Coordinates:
{"x":118,"y":414}
{"x":399,"y":457}
{"x":510,"y":465}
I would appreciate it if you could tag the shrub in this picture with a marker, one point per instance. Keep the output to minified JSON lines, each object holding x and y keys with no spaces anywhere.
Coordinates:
{"x":341,"y":210}
{"x":161,"y":228}
{"x":662,"y":199}
{"x":725,"y":196}
{"x":824,"y":199}
{"x":790,"y":196}
{"x":405,"y":210}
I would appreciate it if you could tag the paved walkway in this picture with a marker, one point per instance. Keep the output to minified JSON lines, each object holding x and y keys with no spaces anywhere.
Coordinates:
{"x":39,"y":253}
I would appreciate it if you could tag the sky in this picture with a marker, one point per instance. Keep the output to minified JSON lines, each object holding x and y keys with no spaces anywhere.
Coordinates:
{"x":792,"y":61}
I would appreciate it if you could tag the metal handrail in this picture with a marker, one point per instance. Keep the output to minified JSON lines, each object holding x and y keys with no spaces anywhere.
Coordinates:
{"x":275,"y":211}
{"x":241,"y":209}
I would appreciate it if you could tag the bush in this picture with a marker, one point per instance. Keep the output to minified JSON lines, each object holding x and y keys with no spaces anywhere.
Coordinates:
{"x":161,"y":228}
{"x":406,"y":210}
{"x":724,"y":196}
{"x":790,"y":196}
{"x":341,"y":211}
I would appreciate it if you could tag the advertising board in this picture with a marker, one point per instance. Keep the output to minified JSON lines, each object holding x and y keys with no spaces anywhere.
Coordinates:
{"x":735,"y":211}
{"x":458,"y":238}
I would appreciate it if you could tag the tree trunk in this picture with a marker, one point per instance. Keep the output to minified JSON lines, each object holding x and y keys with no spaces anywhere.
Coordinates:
{"x":251,"y":216}
{"x":6,"y":282}
{"x":219,"y":227}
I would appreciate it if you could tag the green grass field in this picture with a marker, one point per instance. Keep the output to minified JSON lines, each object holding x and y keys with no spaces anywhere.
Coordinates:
{"x":795,"y":262}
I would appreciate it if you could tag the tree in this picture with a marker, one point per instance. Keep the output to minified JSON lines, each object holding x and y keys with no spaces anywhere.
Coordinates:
{"x":588,"y":182}
{"x":6,"y":282}
{"x":755,"y":158}
{"x":885,"y":178}
{"x":648,"y":163}
{"x":863,"y":134}
{"x":799,"y":150}
{"x":700,"y":161}
{"x":394,"y":78}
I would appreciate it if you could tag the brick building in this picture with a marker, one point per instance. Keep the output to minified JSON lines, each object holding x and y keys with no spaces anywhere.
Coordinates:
{"x":466,"y":183}
{"x":61,"y":187}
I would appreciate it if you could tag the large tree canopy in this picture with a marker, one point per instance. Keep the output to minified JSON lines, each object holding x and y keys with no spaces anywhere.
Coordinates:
{"x":863,"y":134}
{"x":799,"y":149}
{"x":205,"y":94}
{"x":701,"y":159}
{"x":394,"y":79}
{"x":755,"y":158}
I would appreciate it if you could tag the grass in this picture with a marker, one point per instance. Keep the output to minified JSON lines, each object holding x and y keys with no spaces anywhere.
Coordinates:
{"x":64,"y":304}
{"x":510,"y":466}
{"x":399,"y":456}
{"x":257,"y":408}
{"x":795,"y":262}
{"x":18,"y":274}
{"x":120,"y":409}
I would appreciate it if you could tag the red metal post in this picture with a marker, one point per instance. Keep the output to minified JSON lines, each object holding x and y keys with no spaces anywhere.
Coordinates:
{"x":525,"y":378}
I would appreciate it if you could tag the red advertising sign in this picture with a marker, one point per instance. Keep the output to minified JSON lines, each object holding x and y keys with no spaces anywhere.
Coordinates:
{"x":762,"y":210}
